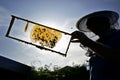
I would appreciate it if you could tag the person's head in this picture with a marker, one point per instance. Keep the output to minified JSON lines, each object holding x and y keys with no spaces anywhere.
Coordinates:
{"x":98,"y":25}
{"x":97,"y":22}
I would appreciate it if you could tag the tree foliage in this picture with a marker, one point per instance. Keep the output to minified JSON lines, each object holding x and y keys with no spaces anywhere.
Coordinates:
{"x":65,"y":73}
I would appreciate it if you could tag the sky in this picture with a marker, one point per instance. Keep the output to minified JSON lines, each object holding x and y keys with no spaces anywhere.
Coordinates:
{"x":60,"y":14}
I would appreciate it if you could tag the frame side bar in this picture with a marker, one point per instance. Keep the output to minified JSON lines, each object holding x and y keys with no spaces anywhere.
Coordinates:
{"x":10,"y":26}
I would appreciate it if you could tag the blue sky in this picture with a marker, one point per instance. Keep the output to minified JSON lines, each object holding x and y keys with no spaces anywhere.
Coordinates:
{"x":61,"y":14}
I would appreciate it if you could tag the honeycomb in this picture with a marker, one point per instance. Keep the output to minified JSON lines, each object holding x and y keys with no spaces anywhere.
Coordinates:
{"x":45,"y":36}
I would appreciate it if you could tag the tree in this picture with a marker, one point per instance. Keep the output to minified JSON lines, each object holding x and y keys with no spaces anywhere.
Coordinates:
{"x":65,"y":73}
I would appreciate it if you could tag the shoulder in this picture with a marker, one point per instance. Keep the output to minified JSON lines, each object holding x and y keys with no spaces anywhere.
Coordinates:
{"x":115,"y":40}
{"x":116,"y":35}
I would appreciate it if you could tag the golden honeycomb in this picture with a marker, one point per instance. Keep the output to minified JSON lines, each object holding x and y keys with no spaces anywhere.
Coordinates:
{"x":45,"y":36}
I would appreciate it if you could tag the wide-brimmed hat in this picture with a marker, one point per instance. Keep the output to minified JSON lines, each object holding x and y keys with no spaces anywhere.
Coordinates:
{"x":111,"y":15}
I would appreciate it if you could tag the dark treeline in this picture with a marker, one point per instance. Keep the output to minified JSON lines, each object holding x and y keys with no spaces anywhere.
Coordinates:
{"x":65,"y":73}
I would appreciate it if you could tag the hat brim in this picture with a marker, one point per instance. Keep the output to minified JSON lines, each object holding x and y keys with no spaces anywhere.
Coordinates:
{"x":81,"y":24}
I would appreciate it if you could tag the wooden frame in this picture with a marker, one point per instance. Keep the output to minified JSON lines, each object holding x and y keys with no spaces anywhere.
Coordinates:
{"x":40,"y":47}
